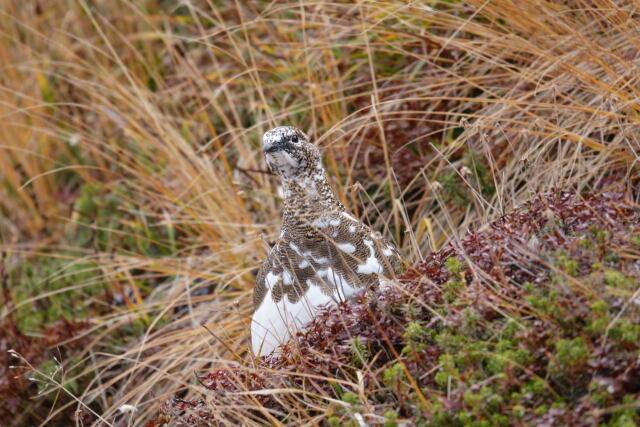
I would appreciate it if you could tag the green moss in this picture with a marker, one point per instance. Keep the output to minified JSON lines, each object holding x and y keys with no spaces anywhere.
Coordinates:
{"x":504,"y":345}
{"x":467,"y":418}
{"x":627,"y":414}
{"x":601,"y":236}
{"x":472,"y":399}
{"x":626,"y":331}
{"x":599,"y":394}
{"x":442,"y":378}
{"x":359,"y":352}
{"x":516,"y":396}
{"x":498,"y":361}
{"x":483,"y":400}
{"x":414,"y":331}
{"x":455,"y":284}
{"x":393,"y":375}
{"x":624,"y":420}
{"x":548,"y":303}
{"x":562,"y":257}
{"x":494,"y":402}
{"x":541,"y":410}
{"x":415,"y":336}
{"x":600,"y":307}
{"x":452,"y":289}
{"x":447,"y":370}
{"x":473,"y":353}
{"x":535,"y":386}
{"x":450,"y":341}
{"x":571,"y":352}
{"x":597,"y":325}
{"x":500,"y":420}
{"x":470,"y":322}
{"x":518,"y":411}
{"x":586,"y":243}
{"x":390,"y":419}
{"x":411,"y":310}
{"x":614,"y":278}
{"x":571,"y":267}
{"x":510,"y":329}
{"x":350,"y":398}
{"x":454,"y":266}
{"x":442,"y":418}
{"x":71,"y":288}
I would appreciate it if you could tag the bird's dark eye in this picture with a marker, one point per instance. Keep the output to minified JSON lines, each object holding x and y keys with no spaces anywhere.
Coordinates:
{"x":294,"y":138}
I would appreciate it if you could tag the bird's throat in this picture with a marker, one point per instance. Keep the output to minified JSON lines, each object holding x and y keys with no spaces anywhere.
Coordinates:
{"x":310,"y":191}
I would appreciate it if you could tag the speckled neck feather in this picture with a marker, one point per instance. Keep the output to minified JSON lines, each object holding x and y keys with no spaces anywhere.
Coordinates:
{"x":307,"y":197}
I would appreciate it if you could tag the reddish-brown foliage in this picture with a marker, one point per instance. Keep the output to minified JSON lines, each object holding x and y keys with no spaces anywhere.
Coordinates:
{"x":15,"y":388}
{"x":523,"y":266}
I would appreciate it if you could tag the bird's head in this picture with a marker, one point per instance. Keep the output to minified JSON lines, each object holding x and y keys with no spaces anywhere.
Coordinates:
{"x":289,"y":153}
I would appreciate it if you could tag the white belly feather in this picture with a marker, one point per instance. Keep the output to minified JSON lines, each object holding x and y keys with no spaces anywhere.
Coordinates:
{"x":274,"y":323}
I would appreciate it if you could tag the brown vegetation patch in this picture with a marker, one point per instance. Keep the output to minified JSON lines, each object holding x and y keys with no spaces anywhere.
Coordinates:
{"x":16,"y":387}
{"x":506,"y":324}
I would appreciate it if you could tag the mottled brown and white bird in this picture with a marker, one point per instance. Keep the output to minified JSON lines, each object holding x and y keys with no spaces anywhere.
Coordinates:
{"x":323,"y":254}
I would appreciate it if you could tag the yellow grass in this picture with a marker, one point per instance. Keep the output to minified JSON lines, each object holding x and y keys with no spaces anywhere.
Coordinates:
{"x":169,"y":100}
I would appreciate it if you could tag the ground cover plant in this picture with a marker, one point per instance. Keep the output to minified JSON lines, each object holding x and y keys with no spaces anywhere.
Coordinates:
{"x":135,"y":207}
{"x":513,"y":325}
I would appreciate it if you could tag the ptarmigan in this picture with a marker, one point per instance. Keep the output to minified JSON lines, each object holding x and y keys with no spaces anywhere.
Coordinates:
{"x":323,"y":254}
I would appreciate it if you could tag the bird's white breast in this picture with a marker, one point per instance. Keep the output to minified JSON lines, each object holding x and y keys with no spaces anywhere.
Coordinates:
{"x":274,"y":323}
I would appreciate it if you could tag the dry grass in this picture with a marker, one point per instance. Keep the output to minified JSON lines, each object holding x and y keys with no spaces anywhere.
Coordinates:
{"x":435,"y":117}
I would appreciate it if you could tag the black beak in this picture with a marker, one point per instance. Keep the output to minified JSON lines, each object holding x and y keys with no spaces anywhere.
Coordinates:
{"x":273,"y":147}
